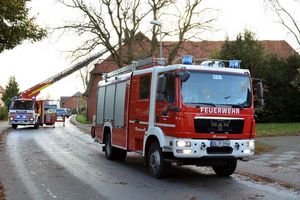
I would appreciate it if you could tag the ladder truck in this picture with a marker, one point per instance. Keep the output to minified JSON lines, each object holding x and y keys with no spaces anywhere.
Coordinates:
{"x":27,"y":110}
{"x":192,"y":113}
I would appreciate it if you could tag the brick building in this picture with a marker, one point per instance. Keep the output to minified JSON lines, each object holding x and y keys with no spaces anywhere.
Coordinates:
{"x":76,"y":102}
{"x":1,"y":94}
{"x":202,"y":49}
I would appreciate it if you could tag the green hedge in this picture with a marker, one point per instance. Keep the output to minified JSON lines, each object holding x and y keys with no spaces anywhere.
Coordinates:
{"x":3,"y":113}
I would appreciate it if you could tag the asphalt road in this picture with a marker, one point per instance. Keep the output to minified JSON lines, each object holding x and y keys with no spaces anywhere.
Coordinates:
{"x":64,"y":163}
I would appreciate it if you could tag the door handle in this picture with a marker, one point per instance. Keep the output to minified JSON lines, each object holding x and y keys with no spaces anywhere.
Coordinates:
{"x":137,"y":121}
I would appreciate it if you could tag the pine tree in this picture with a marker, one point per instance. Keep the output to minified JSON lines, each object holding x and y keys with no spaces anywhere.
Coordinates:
{"x":11,"y":90}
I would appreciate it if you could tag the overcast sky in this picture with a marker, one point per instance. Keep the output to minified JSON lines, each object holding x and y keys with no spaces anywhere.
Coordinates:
{"x":33,"y":63}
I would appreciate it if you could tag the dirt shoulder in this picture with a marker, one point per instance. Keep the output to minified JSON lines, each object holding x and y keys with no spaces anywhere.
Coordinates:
{"x":2,"y":194}
{"x":3,"y":133}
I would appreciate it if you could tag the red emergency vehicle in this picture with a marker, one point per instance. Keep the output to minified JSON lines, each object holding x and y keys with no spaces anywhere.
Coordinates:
{"x":26,"y":110}
{"x":185,"y":113}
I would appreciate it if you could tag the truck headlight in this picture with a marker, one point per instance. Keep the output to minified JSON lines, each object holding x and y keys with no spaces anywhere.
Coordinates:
{"x":11,"y":119}
{"x":250,"y":144}
{"x":182,"y":143}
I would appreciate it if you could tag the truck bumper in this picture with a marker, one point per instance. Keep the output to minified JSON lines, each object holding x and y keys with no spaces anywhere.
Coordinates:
{"x":197,"y":148}
{"x":21,"y":122}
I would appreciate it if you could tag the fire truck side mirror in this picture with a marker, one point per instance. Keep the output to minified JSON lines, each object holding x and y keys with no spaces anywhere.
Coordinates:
{"x":184,"y":76}
{"x":260,"y":94}
{"x":260,"y":90}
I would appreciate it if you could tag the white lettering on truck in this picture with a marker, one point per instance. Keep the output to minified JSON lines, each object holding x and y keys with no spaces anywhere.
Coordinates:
{"x":224,"y":110}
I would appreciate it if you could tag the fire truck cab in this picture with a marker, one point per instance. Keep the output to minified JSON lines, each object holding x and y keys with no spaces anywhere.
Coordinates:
{"x":22,"y":112}
{"x":185,"y":114}
{"x":30,"y":112}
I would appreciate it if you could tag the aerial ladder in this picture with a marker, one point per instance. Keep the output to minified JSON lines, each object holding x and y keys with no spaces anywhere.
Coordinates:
{"x":35,"y":90}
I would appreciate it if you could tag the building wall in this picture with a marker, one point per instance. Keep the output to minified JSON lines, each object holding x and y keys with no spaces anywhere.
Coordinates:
{"x":75,"y":102}
{"x":92,"y":96}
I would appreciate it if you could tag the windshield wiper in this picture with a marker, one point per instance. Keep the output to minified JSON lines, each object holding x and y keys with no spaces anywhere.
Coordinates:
{"x":201,"y":104}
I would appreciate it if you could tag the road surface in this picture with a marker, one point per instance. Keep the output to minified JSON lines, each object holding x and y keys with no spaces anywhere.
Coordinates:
{"x":64,"y":163}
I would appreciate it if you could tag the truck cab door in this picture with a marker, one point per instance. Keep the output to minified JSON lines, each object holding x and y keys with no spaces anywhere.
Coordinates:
{"x":139,"y":102}
{"x":166,"y":106}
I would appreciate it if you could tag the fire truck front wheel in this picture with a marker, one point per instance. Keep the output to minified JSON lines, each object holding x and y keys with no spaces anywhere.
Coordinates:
{"x":37,"y":125}
{"x":156,"y":164}
{"x":227,"y":169}
{"x":113,"y":153}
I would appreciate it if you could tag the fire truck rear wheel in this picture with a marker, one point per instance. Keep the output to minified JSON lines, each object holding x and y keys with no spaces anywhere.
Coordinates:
{"x":157,"y":166}
{"x":227,"y":169}
{"x":14,"y":126}
{"x":113,"y":153}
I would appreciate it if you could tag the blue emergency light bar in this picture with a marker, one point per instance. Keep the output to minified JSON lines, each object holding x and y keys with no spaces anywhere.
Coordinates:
{"x":187,"y":60}
{"x":234,"y":64}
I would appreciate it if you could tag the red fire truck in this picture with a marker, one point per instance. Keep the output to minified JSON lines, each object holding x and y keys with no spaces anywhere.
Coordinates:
{"x":187,"y":114}
{"x":26,"y":110}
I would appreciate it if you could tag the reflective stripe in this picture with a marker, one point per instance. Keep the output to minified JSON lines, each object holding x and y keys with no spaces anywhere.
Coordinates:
{"x":157,"y":124}
{"x":166,"y":125}
{"x":228,"y":118}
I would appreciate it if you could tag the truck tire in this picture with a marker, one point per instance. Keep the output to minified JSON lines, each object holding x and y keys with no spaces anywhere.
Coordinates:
{"x":113,"y":153}
{"x":157,"y":166}
{"x":121,"y":154}
{"x":14,"y":126}
{"x":37,"y":125}
{"x":227,"y":169}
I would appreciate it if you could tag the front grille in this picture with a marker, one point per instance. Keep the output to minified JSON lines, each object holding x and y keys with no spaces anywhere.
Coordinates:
{"x":220,"y":126}
{"x":219,"y":150}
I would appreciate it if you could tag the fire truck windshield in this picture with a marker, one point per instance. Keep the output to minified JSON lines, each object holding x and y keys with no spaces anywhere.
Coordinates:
{"x":215,"y":88}
{"x":22,"y":105}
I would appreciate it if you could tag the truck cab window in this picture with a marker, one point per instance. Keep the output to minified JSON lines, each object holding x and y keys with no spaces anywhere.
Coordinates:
{"x":144,"y":90}
{"x":170,"y":91}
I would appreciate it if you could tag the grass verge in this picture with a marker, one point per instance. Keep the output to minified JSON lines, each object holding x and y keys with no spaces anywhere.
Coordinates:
{"x":271,"y":130}
{"x":277,"y":129}
{"x":82,"y":119}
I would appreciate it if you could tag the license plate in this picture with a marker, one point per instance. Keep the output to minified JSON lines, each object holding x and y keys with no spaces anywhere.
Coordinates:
{"x":219,"y":143}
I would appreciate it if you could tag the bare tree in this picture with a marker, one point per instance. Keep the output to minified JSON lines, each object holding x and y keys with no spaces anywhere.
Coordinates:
{"x":292,"y":25}
{"x":187,"y":17}
{"x":157,"y":6}
{"x":85,"y":75}
{"x":286,"y":18}
{"x":190,"y":24}
{"x":107,"y":22}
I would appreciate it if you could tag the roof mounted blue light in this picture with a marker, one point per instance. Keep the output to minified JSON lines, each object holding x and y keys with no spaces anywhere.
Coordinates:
{"x":234,"y":64}
{"x":187,"y":60}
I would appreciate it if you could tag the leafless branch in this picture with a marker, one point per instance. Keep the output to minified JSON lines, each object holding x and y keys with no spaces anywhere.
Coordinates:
{"x":286,"y":19}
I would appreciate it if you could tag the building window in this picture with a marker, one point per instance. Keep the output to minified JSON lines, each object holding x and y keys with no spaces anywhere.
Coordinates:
{"x":144,"y":91}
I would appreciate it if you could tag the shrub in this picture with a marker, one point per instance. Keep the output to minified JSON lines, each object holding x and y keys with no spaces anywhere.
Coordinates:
{"x":3,"y":113}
